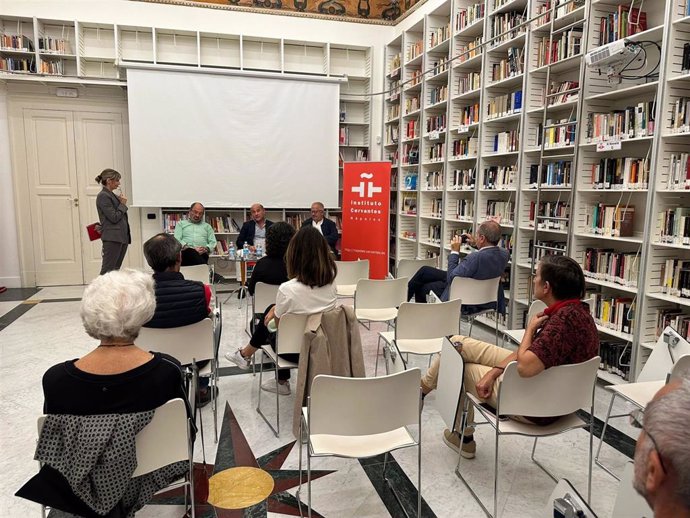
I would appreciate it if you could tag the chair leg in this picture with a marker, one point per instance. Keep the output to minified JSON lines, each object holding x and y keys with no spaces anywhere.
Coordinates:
{"x":496,"y":327}
{"x":258,"y":405}
{"x":591,"y":447}
{"x":496,"y":474}
{"x":308,"y":483}
{"x":471,"y":322}
{"x":601,"y":439}
{"x":277,"y":404}
{"x":378,"y":351}
{"x":299,"y":464}
{"x":534,"y":449}
{"x":214,"y":401}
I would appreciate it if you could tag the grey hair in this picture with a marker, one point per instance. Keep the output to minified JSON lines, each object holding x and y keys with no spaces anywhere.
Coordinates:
{"x":491,"y":231}
{"x":117,"y":304}
{"x":667,"y":419}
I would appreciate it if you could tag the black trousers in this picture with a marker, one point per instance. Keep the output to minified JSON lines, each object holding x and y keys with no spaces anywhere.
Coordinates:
{"x":425,"y":280}
{"x":113,"y":254}
{"x":262,"y":336}
{"x":190,"y":257}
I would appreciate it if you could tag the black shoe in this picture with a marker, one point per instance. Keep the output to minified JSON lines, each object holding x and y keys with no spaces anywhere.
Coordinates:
{"x":205,"y":396}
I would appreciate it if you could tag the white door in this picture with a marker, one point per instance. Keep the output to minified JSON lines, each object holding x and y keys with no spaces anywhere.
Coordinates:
{"x":53,"y":196}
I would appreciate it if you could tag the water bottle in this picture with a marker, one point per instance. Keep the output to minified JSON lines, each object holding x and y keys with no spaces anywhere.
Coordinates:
{"x":259,"y":251}
{"x":245,"y":251}
{"x":232,"y":252}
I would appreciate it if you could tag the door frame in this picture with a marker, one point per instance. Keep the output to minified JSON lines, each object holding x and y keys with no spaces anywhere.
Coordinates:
{"x":17,"y":102}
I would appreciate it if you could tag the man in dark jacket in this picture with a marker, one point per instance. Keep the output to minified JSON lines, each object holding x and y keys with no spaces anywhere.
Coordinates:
{"x":322,"y":224}
{"x":253,"y":232}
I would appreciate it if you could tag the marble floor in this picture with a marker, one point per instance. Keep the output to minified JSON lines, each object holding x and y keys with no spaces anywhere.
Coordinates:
{"x":39,"y":328}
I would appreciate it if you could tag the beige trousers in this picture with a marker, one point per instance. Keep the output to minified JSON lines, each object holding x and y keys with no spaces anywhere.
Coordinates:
{"x":480,"y":357}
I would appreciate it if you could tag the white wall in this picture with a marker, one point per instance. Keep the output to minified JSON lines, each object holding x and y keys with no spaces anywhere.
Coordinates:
{"x":126,"y":12}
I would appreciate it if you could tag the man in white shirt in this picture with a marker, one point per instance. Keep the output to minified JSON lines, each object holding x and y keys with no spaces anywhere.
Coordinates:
{"x":328,"y":229}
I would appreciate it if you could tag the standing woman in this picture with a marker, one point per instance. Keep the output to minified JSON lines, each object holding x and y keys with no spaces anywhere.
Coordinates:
{"x":112,"y":213}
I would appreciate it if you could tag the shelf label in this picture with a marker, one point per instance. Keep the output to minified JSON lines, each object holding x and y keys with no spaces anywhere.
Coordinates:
{"x":463,"y":128}
{"x":608,"y":145}
{"x":434,"y":135}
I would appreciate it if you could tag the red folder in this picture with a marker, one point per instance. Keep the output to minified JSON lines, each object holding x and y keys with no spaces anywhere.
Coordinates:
{"x":94,"y":231}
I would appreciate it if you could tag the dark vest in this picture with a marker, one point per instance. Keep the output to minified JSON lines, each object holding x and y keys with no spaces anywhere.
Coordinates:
{"x":179,"y":302}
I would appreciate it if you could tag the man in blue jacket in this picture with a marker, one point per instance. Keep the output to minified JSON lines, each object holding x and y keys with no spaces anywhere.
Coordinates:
{"x":324,"y":225}
{"x":488,"y":262}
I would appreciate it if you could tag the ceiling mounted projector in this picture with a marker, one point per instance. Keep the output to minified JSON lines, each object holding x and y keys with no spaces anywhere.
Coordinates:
{"x":611,"y":54}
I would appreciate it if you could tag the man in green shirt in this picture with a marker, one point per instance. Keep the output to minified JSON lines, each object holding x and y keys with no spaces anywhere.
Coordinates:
{"x":197,"y":237}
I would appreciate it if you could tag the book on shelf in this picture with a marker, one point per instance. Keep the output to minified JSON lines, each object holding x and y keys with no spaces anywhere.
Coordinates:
{"x":410,"y":154}
{"x":13,"y":64}
{"x":410,"y":182}
{"x":620,"y":173}
{"x":437,"y":66}
{"x":469,"y":114}
{"x":436,"y":123}
{"x":545,"y":247}
{"x":507,"y":141}
{"x":500,"y":177}
{"x":559,"y":133}
{"x":17,"y":42}
{"x":612,"y":312}
{"x":606,"y":264}
{"x":675,"y":318}
{"x":415,"y":49}
{"x":621,"y":23}
{"x":502,"y":105}
{"x":615,"y":358}
{"x":470,"y":50}
{"x":411,"y":104}
{"x":565,"y":45}
{"x":439,"y":35}
{"x":506,"y":26}
{"x":552,"y":174}
{"x":436,"y":207}
{"x":464,"y":209}
{"x":412,"y":129}
{"x":438,"y":94}
{"x":463,"y":179}
{"x":632,"y":122}
{"x":436,"y":151}
{"x":409,"y":204}
{"x":465,"y":147}
{"x":560,"y":92}
{"x":510,"y":66}
{"x":679,"y":171}
{"x":469,"y":15}
{"x":434,"y":234}
{"x":611,"y":220}
{"x":434,"y":180}
{"x":501,"y":211}
{"x":674,"y":225}
{"x":549,"y":215}
{"x":680,"y":116}
{"x":394,"y":64}
{"x":674,"y":278}
{"x":685,"y":63}
{"x":469,"y":82}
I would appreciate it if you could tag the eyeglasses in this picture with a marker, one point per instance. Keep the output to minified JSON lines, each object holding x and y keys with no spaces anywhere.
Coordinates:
{"x":637,"y":421}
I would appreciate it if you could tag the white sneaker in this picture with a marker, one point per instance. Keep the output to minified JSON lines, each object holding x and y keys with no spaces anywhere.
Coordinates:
{"x":272,"y":386}
{"x":239,"y":360}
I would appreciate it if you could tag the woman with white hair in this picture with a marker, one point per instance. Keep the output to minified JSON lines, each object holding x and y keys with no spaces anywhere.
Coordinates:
{"x":117,"y":376}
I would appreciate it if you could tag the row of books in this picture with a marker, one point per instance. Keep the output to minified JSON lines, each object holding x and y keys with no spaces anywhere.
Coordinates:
{"x":437,"y":151}
{"x":296,"y":220}
{"x":500,"y":177}
{"x":675,"y":318}
{"x":469,"y":114}
{"x":504,"y":22}
{"x":559,"y":133}
{"x":680,"y":115}
{"x":438,"y":94}
{"x":411,"y":104}
{"x":559,"y":92}
{"x":632,"y":122}
{"x":392,"y":134}
{"x":469,"y":82}
{"x":434,"y":234}
{"x":412,"y":129}
{"x":552,"y":174}
{"x":621,"y":23}
{"x":545,"y":247}
{"x":392,"y":111}
{"x":679,"y":171}
{"x":463,"y":179}
{"x":563,"y":7}
{"x":394,"y":65}
{"x":439,"y":35}
{"x":506,"y":242}
{"x":415,"y":78}
{"x":674,"y":225}
{"x":51,"y":67}
{"x":507,"y":141}
{"x":549,"y":215}
{"x":612,"y":312}
{"x":436,"y":123}
{"x":469,"y":15}
{"x":463,"y":208}
{"x":470,"y":50}
{"x":620,"y":173}
{"x":18,"y":64}
{"x":414,"y":50}
{"x":675,"y":278}
{"x":439,"y":65}
{"x":54,"y":45}
{"x":605,"y":264}
{"x":435,"y":208}
{"x":465,"y":147}
{"x":434,"y":181}
{"x":685,"y":63}
{"x":409,"y":204}
{"x":615,"y":358}
{"x":610,"y":220}
{"x":501,"y":211}
{"x":16,"y":42}
{"x":568,"y":44}
{"x":410,"y":154}
{"x":510,"y":66}
{"x":502,"y":105}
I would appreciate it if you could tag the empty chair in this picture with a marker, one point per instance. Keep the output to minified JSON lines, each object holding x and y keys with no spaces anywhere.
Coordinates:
{"x":289,"y":339}
{"x":378,"y":300}
{"x":451,"y":373}
{"x":558,"y":391}
{"x":361,"y":418}
{"x":197,"y":272}
{"x":408,"y":267}
{"x":516,"y":335}
{"x":264,"y":296}
{"x":420,"y":328}
{"x":474,"y":293}
{"x":349,"y":273}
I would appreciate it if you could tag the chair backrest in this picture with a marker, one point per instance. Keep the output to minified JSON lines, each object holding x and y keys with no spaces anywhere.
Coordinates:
{"x":536,"y":307}
{"x":408,"y":267}
{"x":450,"y":375}
{"x":556,"y":391}
{"x":197,"y":272}
{"x":290,"y":333}
{"x":394,"y":361}
{"x":185,"y":343}
{"x":473,"y":292}
{"x":349,"y":272}
{"x":423,"y":321}
{"x":364,"y":406}
{"x":668,"y":349}
{"x":264,"y":296}
{"x":380,"y":294}
{"x":563,"y":488}
{"x":629,"y":503}
{"x":165,"y":439}
{"x":681,"y":368}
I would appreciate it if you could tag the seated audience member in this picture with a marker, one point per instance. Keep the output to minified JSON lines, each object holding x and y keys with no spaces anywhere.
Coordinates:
{"x":270,"y":270}
{"x":563,"y":334}
{"x":488,"y":262}
{"x":322,"y":224}
{"x":117,"y":377}
{"x":662,"y":454}
{"x":253,"y":232}
{"x":197,"y":237}
{"x":311,"y":269}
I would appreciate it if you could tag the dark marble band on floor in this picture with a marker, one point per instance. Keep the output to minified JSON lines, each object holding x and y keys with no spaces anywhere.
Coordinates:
{"x":14,"y":314}
{"x":614,"y":437}
{"x":18,"y":294}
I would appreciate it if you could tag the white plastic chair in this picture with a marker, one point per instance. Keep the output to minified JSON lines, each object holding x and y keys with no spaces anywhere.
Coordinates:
{"x":516,"y":335}
{"x":473,"y":293}
{"x":188,"y":344}
{"x":361,"y":418}
{"x":393,"y":359}
{"x":289,"y":339}
{"x":408,"y":267}
{"x":197,"y":272}
{"x":451,"y":373}
{"x":349,"y":273}
{"x":420,"y":328}
{"x":378,"y":300}
{"x":566,"y":491}
{"x":264,"y":296}
{"x":681,"y":368}
{"x":629,"y":503}
{"x":558,"y":391}
{"x":669,"y":347}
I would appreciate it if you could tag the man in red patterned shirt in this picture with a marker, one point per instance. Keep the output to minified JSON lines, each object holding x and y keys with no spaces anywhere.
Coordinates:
{"x":564,"y":333}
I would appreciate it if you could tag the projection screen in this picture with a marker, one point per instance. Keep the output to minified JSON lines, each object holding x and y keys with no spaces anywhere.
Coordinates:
{"x":230,"y":141}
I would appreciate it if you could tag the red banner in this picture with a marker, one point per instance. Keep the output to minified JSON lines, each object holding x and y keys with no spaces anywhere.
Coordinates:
{"x":366,"y":202}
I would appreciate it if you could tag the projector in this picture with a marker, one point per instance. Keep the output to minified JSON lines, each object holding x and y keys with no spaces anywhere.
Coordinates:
{"x":611,"y":54}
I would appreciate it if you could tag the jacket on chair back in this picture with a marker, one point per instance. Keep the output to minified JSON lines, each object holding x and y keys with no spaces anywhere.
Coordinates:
{"x":179,"y":302}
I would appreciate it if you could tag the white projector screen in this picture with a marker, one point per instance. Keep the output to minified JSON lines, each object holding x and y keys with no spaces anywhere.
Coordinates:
{"x":230,"y":141}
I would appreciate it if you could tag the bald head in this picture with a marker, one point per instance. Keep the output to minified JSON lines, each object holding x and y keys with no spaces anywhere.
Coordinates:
{"x":258,"y":213}
{"x":491,"y":231}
